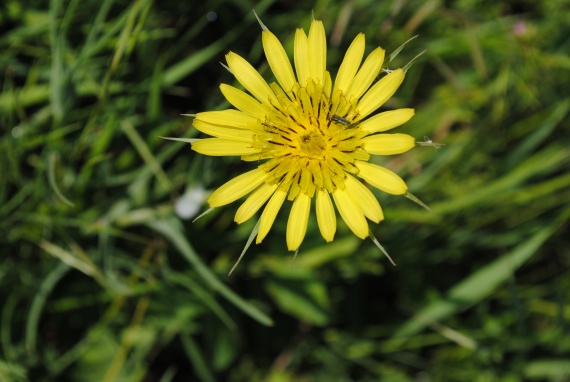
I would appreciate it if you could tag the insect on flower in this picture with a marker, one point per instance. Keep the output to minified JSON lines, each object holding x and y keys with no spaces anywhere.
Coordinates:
{"x":314,"y":136}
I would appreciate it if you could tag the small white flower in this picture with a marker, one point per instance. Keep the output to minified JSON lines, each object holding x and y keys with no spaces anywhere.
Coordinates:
{"x":189,"y":204}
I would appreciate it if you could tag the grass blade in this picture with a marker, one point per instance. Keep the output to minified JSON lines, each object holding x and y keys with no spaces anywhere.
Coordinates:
{"x":479,"y":284}
{"x":170,"y":229}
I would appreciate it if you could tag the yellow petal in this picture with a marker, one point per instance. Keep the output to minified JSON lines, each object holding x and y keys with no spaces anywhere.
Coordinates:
{"x":225,"y":132}
{"x":243,"y":101}
{"x":386,"y":120}
{"x":223,"y":147}
{"x":367,"y":74}
{"x":298,"y":220}
{"x":269,"y":213}
{"x":350,"y":64}
{"x":236,"y":188}
{"x":229,"y":117}
{"x":249,"y":77}
{"x":254,"y":202}
{"x":278,"y":61}
{"x":328,"y":84}
{"x":380,"y":92}
{"x":301,"y":54}
{"x":351,"y":213}
{"x":317,"y":44}
{"x":364,"y":198}
{"x":388,"y":144}
{"x":325,"y":215}
{"x":381,"y":178}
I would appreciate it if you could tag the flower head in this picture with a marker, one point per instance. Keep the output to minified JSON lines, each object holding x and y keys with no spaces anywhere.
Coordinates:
{"x":313,"y":137}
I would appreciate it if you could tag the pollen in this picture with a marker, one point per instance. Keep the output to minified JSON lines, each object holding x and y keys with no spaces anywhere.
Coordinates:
{"x":312,"y":144}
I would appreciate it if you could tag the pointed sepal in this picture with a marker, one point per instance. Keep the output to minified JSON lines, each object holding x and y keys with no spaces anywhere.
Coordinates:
{"x":375,"y":241}
{"x":414,"y":199}
{"x":249,"y":241}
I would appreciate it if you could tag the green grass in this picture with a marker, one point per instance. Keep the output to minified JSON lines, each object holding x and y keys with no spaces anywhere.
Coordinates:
{"x":101,"y":280}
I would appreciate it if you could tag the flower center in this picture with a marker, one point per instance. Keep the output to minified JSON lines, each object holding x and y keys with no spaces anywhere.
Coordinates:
{"x":309,"y":141}
{"x":312,"y":144}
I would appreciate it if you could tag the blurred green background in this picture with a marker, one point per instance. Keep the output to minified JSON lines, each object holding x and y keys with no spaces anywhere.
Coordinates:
{"x":103,"y":278}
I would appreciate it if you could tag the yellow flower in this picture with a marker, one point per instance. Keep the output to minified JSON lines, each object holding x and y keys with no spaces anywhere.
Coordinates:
{"x":314,"y":138}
